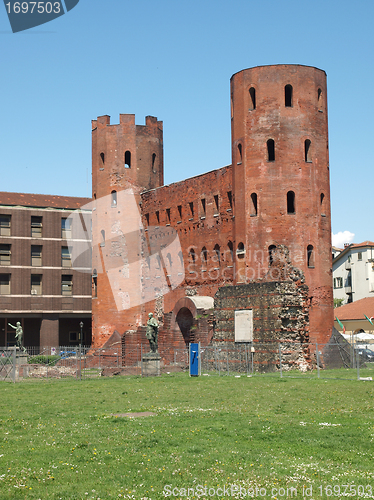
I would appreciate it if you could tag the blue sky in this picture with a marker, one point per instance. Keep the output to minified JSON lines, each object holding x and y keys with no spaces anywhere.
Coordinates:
{"x":174,"y":60}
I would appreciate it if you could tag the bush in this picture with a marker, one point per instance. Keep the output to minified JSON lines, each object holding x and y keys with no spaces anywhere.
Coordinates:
{"x":44,"y":360}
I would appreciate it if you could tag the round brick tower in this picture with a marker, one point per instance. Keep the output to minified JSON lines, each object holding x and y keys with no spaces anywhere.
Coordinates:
{"x":281,"y":179}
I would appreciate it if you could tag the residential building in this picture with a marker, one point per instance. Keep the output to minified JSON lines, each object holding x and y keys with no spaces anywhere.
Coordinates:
{"x":353,"y":272}
{"x":38,"y":286}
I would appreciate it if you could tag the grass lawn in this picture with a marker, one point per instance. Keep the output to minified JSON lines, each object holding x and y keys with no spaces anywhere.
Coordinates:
{"x":60,"y":440}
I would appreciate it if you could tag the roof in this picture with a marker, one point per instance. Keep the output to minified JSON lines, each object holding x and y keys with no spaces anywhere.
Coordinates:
{"x":42,"y":200}
{"x":356,"y":310}
{"x":364,"y":244}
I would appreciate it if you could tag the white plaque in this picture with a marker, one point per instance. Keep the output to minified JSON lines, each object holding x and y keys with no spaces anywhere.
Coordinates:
{"x":244,"y":326}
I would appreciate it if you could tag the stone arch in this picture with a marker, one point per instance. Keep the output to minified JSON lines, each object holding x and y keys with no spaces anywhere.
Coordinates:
{"x":185,"y":312}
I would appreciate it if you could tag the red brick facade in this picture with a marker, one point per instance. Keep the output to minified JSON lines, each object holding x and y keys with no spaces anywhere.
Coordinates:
{"x":229,"y":221}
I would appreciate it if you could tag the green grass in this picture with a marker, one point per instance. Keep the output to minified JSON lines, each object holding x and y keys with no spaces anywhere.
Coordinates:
{"x":59,"y":439}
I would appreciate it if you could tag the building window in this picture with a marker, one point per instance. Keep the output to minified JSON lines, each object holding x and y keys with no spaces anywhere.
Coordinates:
{"x":154,"y":163}
{"x":308,"y":150}
{"x":204,"y":256}
{"x":192,"y":256}
{"x":158,"y":216}
{"x":113,"y":198}
{"x":271,"y":149}
{"x":203,"y":207}
{"x":146,"y":219}
{"x":229,"y":196}
{"x":288,"y":96}
{"x":67,"y":284}
{"x":191,"y":208}
{"x":127,"y":159}
{"x":338,"y":282}
{"x":310,"y":255}
{"x":65,"y":228}
{"x":320,"y":98}
{"x":5,"y":255}
{"x":240,"y":252}
{"x":240,"y":154}
{"x":230,"y":247}
{"x":271,"y":251}
{"x":217,"y":254}
{"x":216,"y":204}
{"x":290,"y":202}
{"x":252,"y":98}
{"x":359,"y":256}
{"x":168,"y":215}
{"x":36,"y":255}
{"x":94,"y":283}
{"x":102,"y":158}
{"x":65,"y":257}
{"x":253,"y":204}
{"x":180,"y":211}
{"x":36,"y":284}
{"x":102,"y":242}
{"x":36,"y":226}
{"x":4,"y":284}
{"x":5,"y":225}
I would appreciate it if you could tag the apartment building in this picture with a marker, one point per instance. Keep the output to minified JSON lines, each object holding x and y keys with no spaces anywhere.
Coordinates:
{"x":38,"y":285}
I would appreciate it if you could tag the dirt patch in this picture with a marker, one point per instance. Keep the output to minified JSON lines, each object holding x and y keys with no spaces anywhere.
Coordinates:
{"x":134,"y":415}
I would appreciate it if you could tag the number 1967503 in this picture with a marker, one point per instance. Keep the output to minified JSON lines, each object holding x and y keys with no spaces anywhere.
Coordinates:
{"x":34,"y":7}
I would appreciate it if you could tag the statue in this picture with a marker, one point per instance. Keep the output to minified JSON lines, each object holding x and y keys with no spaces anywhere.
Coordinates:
{"x":19,"y":334}
{"x":152,"y":333}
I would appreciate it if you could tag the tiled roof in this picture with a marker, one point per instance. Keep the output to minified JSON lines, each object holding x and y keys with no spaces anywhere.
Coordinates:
{"x":356,"y":310}
{"x":41,"y":200}
{"x":363,"y":244}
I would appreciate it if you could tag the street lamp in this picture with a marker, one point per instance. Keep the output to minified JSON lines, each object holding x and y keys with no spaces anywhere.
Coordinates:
{"x":81,"y":334}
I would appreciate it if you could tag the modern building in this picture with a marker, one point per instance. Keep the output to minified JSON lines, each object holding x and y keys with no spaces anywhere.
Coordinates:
{"x":352,"y":317}
{"x":353,"y":272}
{"x":38,"y":286}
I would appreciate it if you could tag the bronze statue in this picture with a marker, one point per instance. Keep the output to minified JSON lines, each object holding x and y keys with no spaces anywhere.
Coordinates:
{"x":19,"y":334}
{"x":152,"y":333}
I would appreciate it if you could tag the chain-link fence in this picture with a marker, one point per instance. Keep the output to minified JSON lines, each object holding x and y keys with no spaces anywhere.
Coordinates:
{"x":336,"y":359}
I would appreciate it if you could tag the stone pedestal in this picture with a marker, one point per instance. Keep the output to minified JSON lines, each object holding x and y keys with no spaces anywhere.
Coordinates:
{"x":151,"y":364}
{"x":22,"y":368}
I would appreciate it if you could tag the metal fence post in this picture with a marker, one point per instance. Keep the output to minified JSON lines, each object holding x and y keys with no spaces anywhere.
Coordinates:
{"x":80,"y":362}
{"x":14,"y":359}
{"x":227,"y":361}
{"x":317,"y":352}
{"x":280,"y":360}
{"x":358,"y":365}
{"x":141,"y":359}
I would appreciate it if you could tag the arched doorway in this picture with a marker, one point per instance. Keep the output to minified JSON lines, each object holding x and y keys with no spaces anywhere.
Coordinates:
{"x":184,"y":320}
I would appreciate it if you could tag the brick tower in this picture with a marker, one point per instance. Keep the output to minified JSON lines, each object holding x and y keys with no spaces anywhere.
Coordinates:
{"x":126,"y":159}
{"x":280,"y":165}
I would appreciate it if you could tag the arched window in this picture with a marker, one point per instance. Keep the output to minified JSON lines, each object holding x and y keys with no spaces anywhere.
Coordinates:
{"x":128,"y":159}
{"x":288,"y":96}
{"x":180,"y":255}
{"x":253,"y":204}
{"x":252,"y":98}
{"x":192,"y":256}
{"x":240,"y":154}
{"x":102,"y":243}
{"x":153,"y":162}
{"x":240,"y":251}
{"x":308,"y":150}
{"x":102,"y":158}
{"x":230,"y":247}
{"x":114,"y":198}
{"x":271,"y":149}
{"x":290,"y":202}
{"x":271,"y":251}
{"x":310,"y":256}
{"x":204,"y":256}
{"x":323,"y":203}
{"x":217,"y":254}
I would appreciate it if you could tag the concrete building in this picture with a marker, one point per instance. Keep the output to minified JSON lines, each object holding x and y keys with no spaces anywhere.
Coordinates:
{"x":254,"y":236}
{"x":353,"y":272}
{"x":38,"y":286}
